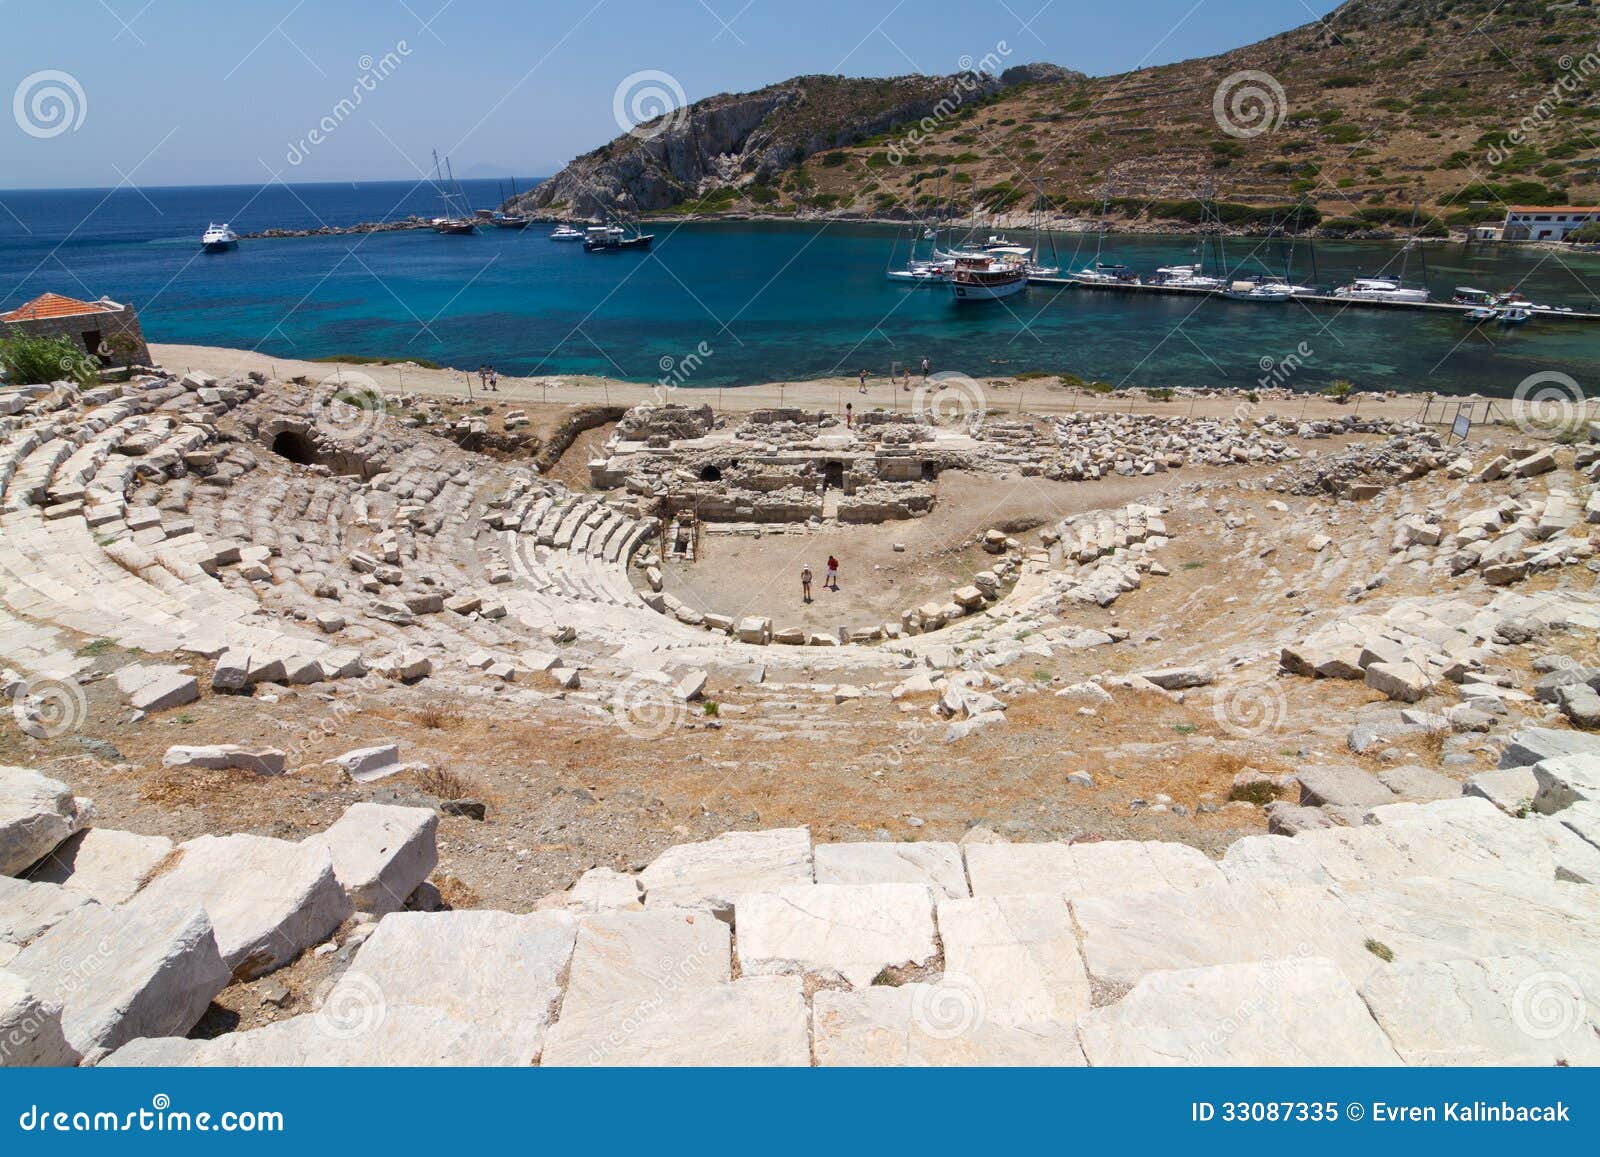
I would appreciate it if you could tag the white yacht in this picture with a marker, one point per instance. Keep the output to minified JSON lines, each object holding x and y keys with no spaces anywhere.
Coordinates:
{"x":1381,"y":289}
{"x":1184,"y":277}
{"x":218,"y":239}
{"x":1103,"y":273}
{"x":566,"y":233}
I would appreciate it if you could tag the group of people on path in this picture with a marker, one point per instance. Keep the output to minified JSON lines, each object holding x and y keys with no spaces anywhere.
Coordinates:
{"x":905,"y":376}
{"x":829,"y":583}
{"x":489,"y":378}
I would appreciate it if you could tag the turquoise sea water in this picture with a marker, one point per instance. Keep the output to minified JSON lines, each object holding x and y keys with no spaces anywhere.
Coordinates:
{"x":752,"y":301}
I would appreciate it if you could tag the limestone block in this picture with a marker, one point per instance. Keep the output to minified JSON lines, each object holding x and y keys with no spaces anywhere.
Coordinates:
{"x":937,"y":865}
{"x":268,"y":900}
{"x":1504,"y":1010}
{"x":1110,"y":868}
{"x":941,"y":1024}
{"x":381,"y":853}
{"x":1300,"y":1012}
{"x":36,"y":814}
{"x":713,"y":874}
{"x":103,"y":864}
{"x":28,"y":910}
{"x":757,"y":1021}
{"x":1019,"y":953}
{"x":837,"y":931}
{"x":495,"y":971}
{"x":30,"y":1028}
{"x":218,"y":756}
{"x":121,"y":972}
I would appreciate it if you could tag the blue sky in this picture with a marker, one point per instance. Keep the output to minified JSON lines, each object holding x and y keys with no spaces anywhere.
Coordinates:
{"x":172,"y":92}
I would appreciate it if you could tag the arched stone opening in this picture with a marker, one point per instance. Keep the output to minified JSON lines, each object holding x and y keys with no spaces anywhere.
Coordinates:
{"x":294,"y":446}
{"x":711,"y":474}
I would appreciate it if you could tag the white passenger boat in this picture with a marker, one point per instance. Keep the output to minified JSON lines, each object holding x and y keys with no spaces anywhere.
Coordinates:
{"x":1184,"y":277}
{"x":219,"y":239}
{"x":566,"y":233}
{"x":985,"y":278}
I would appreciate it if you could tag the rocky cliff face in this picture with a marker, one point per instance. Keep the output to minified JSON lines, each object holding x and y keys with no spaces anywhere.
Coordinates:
{"x":733,"y":141}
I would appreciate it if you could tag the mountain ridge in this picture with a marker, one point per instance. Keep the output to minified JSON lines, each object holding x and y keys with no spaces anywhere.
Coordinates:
{"x":1469,"y":105}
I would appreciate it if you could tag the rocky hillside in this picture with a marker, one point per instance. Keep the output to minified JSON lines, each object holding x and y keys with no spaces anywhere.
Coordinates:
{"x":732,"y":149}
{"x":1471,"y":103}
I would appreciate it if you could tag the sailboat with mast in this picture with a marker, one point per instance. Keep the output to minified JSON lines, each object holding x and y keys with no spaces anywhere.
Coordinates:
{"x":1102,"y":272}
{"x":514,"y":219}
{"x":1393,"y":290}
{"x":457,"y":219}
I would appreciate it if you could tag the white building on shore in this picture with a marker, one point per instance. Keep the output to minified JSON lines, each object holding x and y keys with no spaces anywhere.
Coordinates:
{"x":1540,"y":223}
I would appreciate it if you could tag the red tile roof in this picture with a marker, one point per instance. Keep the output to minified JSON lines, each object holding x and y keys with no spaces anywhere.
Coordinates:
{"x":54,"y":305}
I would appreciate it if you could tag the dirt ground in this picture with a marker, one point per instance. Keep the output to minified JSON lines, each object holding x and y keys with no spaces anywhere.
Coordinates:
{"x":744,"y":575}
{"x":1004,"y":396}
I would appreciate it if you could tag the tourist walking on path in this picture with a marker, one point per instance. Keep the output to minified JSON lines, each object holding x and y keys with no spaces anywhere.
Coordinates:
{"x":494,"y":379}
{"x":805,"y":582}
{"x":832,"y":581}
{"x":907,"y":384}
{"x":925,"y":368}
{"x":483,"y":376}
{"x":849,"y":414}
{"x":862,"y":374}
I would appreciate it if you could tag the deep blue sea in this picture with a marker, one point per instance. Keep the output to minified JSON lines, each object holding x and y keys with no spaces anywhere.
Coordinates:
{"x":759,"y":301}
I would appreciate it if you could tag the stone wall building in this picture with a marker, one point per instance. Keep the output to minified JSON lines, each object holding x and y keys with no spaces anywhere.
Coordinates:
{"x":107,"y":329}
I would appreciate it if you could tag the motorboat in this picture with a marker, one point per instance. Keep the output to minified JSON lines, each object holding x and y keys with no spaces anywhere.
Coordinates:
{"x":566,"y":233}
{"x":1381,"y":289}
{"x":984,"y":278}
{"x":1515,"y":315}
{"x":1466,"y":295}
{"x":1184,"y":277}
{"x":922,"y":273}
{"x":218,"y":239}
{"x":1481,"y":314}
{"x":614,"y":239}
{"x":1258,"y":291}
{"x":1104,"y":273}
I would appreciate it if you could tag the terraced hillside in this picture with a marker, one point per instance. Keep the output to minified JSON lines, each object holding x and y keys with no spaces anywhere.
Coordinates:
{"x":1474,"y":104}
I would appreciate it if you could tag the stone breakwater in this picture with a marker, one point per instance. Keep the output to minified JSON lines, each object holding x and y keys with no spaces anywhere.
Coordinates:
{"x":1441,"y":932}
{"x":344,"y":230}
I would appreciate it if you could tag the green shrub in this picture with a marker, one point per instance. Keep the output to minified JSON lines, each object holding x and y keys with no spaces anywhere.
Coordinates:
{"x":30,"y":361}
